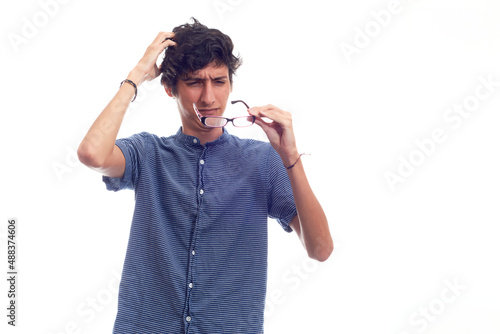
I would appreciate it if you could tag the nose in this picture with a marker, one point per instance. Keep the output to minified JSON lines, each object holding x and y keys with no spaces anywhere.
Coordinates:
{"x":208,"y":96}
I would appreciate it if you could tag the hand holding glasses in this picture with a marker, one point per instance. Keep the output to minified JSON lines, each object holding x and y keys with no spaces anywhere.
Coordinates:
{"x":219,"y":121}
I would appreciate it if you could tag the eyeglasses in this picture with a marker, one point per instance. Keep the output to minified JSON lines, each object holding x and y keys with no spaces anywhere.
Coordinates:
{"x":219,"y":121}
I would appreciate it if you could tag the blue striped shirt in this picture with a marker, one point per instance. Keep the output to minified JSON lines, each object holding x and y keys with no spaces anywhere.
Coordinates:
{"x":196,"y":259}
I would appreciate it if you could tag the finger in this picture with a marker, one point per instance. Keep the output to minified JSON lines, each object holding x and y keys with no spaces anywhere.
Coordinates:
{"x":162,"y":41}
{"x":265,"y":111}
{"x":272,"y":113}
{"x":168,"y":41}
{"x":159,"y":47}
{"x":162,"y":36}
{"x":260,"y":122}
{"x":258,"y":112}
{"x":266,"y":127}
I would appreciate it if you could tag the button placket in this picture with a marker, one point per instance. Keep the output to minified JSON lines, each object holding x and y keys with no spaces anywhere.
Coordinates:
{"x":202,"y":169}
{"x":201,"y":191}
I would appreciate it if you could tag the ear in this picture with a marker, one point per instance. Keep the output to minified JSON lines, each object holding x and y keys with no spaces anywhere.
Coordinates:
{"x":169,"y":91}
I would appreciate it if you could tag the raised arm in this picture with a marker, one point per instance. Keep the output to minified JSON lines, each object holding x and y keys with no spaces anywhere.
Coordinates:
{"x":310,"y":223}
{"x":97,"y":149}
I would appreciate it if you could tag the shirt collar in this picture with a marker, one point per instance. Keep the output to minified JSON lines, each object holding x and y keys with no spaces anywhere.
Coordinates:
{"x":194,"y":141}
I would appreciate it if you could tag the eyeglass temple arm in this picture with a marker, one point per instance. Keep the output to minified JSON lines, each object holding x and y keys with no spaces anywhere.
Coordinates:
{"x":196,"y":111}
{"x":236,"y":101}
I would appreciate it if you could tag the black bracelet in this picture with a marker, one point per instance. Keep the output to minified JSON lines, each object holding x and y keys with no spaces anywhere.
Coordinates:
{"x":296,"y":161}
{"x":133,"y":84}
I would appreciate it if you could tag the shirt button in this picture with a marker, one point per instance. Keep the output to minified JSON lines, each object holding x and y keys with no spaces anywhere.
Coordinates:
{"x":188,"y":318}
{"x":195,"y":141}
{"x":193,"y":252}
{"x":190,"y":285}
{"x":202,"y":162}
{"x":201,"y":191}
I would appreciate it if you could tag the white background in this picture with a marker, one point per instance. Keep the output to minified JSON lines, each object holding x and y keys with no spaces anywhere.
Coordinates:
{"x":397,"y":250}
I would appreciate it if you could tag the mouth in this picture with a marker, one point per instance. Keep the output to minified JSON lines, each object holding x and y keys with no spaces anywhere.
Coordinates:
{"x":208,"y":111}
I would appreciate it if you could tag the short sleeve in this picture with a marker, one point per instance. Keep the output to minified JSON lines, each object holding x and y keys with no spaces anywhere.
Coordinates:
{"x":134,"y":150}
{"x":280,"y":201}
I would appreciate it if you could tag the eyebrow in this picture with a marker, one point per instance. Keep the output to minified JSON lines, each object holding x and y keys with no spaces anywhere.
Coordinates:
{"x":203,"y":79}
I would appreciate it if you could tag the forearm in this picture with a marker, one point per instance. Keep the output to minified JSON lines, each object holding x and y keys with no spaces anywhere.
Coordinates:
{"x":99,"y":141}
{"x":314,"y":230}
{"x":311,"y":223}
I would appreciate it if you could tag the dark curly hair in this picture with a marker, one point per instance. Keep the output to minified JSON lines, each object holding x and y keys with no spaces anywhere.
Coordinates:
{"x":197,"y":46}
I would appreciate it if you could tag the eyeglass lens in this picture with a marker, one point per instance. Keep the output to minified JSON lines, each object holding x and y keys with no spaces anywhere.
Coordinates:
{"x":243,"y":121}
{"x":215,"y":121}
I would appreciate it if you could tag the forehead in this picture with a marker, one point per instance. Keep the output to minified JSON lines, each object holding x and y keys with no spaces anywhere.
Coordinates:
{"x":210,"y":71}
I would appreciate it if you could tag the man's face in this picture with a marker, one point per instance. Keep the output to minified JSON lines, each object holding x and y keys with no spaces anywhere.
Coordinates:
{"x":209,"y":88}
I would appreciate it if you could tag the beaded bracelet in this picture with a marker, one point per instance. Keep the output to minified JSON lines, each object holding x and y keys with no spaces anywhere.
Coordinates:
{"x":297,"y":161}
{"x":133,"y":84}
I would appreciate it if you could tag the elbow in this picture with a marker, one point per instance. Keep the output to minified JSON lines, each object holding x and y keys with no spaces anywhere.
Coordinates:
{"x":322,"y":253}
{"x":87,"y":156}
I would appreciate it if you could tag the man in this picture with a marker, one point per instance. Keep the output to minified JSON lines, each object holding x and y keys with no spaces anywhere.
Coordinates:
{"x":197,"y":255}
